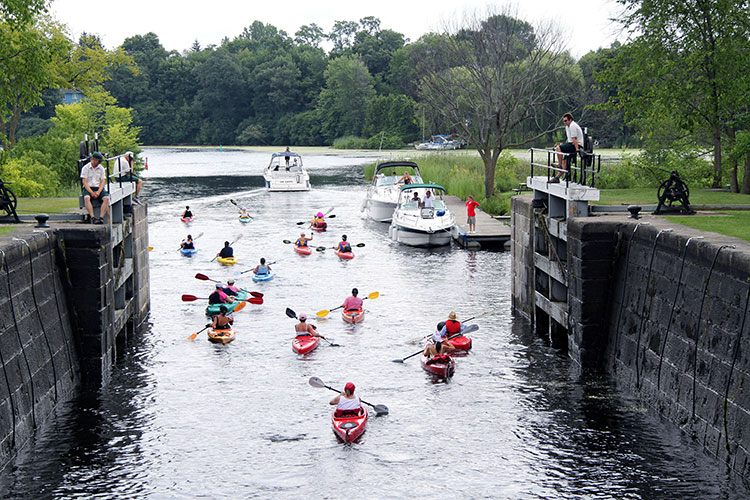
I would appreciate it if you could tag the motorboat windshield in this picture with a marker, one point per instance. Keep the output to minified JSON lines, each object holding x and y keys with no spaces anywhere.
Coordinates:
{"x":285,"y":161}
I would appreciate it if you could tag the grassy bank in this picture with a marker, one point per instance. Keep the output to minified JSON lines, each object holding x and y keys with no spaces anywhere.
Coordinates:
{"x":46,"y":205}
{"x":463,"y":175}
{"x":734,"y":223}
{"x":648,"y":196}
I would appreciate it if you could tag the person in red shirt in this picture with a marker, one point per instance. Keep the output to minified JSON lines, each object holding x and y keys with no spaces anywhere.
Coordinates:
{"x":471,"y":215}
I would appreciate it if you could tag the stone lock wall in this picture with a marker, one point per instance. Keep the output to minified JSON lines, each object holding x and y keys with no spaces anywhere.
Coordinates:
{"x":38,"y":356}
{"x":522,"y":249}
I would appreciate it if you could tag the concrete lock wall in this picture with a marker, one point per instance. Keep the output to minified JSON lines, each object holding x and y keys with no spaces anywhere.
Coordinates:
{"x":522,"y":252}
{"x":668,"y":319}
{"x":68,"y":297}
{"x":37,"y":351}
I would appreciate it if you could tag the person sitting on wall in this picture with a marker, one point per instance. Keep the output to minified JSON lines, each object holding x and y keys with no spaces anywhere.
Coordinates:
{"x":124,"y":165}
{"x":94,"y":178}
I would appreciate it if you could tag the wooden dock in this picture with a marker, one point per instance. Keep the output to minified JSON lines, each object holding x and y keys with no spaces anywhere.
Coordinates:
{"x":491,"y":232}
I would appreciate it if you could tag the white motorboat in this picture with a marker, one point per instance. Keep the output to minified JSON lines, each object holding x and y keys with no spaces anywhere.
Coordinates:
{"x":417,"y":224}
{"x":383,"y":193}
{"x":286,"y":173}
{"x":440,"y":142}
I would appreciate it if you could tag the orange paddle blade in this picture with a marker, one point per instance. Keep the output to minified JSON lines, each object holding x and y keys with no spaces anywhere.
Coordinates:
{"x":239,"y":307}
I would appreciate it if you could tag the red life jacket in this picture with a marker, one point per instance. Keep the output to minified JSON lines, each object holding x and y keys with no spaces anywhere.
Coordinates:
{"x":452,"y":326}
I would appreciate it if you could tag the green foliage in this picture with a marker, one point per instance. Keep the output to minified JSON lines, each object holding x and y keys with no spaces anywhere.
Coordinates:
{"x":350,"y":142}
{"x":29,"y":177}
{"x":734,"y":223}
{"x":374,"y":142}
{"x":651,"y":167}
{"x":342,"y":104}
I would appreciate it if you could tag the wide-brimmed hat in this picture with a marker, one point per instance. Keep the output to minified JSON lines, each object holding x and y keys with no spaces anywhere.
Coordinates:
{"x":452,"y":316}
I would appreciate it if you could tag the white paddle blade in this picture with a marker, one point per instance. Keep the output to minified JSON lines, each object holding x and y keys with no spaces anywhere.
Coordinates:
{"x":316,"y":382}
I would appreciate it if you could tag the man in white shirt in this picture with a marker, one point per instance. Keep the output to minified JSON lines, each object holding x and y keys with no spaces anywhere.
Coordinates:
{"x":94,"y":179}
{"x":574,"y":135}
{"x":427,"y":200}
{"x":124,"y":165}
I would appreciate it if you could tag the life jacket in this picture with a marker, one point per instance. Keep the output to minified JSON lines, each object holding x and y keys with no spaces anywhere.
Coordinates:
{"x":345,"y":247}
{"x":348,"y":413}
{"x":301,"y":243}
{"x":188,"y":245}
{"x":452,"y":326}
{"x":231,"y":290}
{"x":262,"y":269}
{"x":441,"y":358}
{"x":226,"y":252}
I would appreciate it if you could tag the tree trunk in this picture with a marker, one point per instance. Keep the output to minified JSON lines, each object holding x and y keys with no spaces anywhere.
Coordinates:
{"x":733,"y":162}
{"x":489,"y":173}
{"x":717,"y":156}
{"x":746,"y":177}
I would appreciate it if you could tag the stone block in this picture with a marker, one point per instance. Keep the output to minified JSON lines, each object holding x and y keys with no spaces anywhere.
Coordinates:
{"x":84,"y":236}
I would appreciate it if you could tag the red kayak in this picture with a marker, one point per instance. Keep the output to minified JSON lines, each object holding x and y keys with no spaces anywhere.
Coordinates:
{"x":344,"y":255}
{"x":353,"y":316}
{"x":441,"y":366}
{"x":304,"y":344}
{"x":349,"y":427}
{"x":186,"y":219}
{"x":303,"y":250}
{"x":462,"y":343}
{"x":318,"y":229}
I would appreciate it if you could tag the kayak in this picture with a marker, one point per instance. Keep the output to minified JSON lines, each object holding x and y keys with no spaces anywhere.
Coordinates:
{"x":318,"y":229}
{"x":263,"y":277}
{"x":227,"y":261}
{"x":344,"y":255}
{"x":461,"y":342}
{"x":188,"y":251}
{"x":245,"y":219}
{"x":213,"y":309}
{"x":353,"y":316}
{"x":349,"y":428}
{"x":304,"y":344}
{"x":186,"y":219}
{"x":223,"y":336}
{"x":303,"y":250}
{"x":442,"y":369}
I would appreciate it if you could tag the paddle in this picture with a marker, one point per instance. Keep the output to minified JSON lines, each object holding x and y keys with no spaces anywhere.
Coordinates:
{"x":466,"y":321}
{"x":192,"y":337}
{"x":292,"y":314}
{"x":251,"y":270}
{"x":324,"y":312}
{"x":324,"y":215}
{"x":332,"y":216}
{"x":206,"y":278}
{"x":191,"y":298}
{"x":379,"y":409}
{"x":232,"y":243}
{"x":243,"y":208}
{"x":320,"y":249}
{"x":199,"y":235}
{"x":469,"y":329}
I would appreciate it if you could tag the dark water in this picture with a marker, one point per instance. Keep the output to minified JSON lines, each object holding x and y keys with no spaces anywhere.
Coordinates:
{"x":195,"y":420}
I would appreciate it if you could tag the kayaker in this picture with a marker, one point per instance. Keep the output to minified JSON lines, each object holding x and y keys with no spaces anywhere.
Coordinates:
{"x":347,"y":403}
{"x":262,"y":268}
{"x":302,"y":329}
{"x":302,"y":240}
{"x":187,"y":243}
{"x":187,"y":213}
{"x":436,"y":349}
{"x":344,"y":245}
{"x":221,"y":320}
{"x":218,"y":296}
{"x":440,"y":336}
{"x":451,"y":326}
{"x":352,"y":303}
{"x":225,"y":252}
{"x":230,"y":289}
{"x":243,"y":212}
{"x":319,"y":221}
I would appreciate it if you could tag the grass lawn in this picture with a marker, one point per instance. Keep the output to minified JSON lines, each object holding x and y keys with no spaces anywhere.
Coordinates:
{"x":7,"y":229}
{"x":647,"y":196}
{"x":46,"y":205}
{"x":732,"y":223}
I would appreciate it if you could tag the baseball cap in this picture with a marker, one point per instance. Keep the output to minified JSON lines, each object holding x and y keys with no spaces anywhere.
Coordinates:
{"x":302,"y":316}
{"x":349,"y":387}
{"x":98,"y":156}
{"x":129,"y":153}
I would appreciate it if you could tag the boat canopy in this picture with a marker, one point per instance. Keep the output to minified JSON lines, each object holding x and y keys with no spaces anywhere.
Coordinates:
{"x":426,"y":186}
{"x":397,"y":164}
{"x":288,"y":153}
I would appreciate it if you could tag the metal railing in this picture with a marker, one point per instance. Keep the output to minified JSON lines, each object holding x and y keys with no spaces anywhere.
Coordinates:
{"x":585,"y":174}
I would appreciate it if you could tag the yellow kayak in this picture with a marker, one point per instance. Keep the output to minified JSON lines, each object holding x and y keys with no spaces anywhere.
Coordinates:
{"x":227,"y":261}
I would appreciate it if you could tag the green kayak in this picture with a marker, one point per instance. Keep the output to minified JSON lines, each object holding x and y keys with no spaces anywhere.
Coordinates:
{"x":213,"y":309}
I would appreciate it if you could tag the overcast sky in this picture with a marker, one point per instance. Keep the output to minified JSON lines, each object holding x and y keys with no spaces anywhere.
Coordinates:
{"x":179,"y":22}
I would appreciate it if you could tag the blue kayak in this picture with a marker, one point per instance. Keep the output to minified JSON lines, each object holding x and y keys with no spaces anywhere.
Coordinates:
{"x":263,"y":277}
{"x":188,"y":251}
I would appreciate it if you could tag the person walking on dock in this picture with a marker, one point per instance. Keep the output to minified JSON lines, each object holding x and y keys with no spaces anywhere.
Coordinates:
{"x":471,"y":215}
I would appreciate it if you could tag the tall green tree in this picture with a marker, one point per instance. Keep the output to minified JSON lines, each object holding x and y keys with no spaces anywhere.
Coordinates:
{"x":688,"y":61}
{"x":342,"y":104}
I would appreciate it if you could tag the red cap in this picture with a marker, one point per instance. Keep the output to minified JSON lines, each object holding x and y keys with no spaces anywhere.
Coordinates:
{"x":349,"y":387}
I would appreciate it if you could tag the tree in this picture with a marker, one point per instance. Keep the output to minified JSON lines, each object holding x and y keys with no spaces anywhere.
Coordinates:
{"x":342,"y":104}
{"x":342,"y":35}
{"x":21,"y":12}
{"x":493,"y":76}
{"x":691,"y":61}
{"x":311,"y":35}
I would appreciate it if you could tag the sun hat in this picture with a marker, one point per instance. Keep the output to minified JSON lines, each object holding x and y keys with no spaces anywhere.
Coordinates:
{"x":349,"y":387}
{"x":452,"y":316}
{"x":302,"y":316}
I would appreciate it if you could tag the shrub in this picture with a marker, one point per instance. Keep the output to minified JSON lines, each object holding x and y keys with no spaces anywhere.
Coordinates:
{"x":29,"y":177}
{"x":350,"y":142}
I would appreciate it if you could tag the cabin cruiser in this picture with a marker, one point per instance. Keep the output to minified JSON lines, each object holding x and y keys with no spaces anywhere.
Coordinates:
{"x":440,"y":142}
{"x":382,"y":195}
{"x":418,"y":224}
{"x":286,"y":173}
